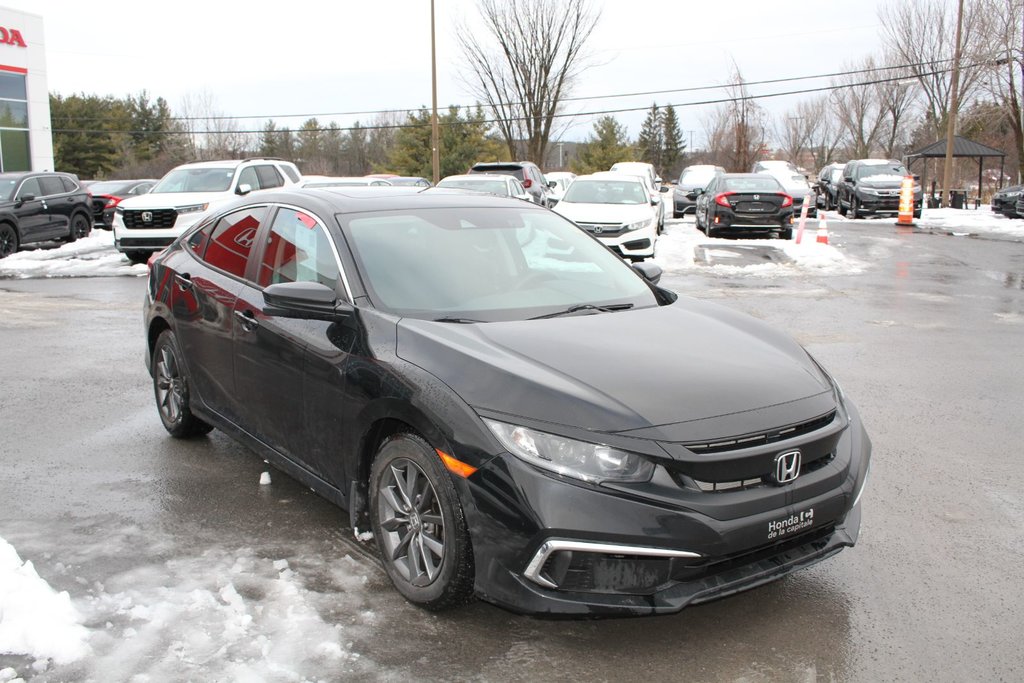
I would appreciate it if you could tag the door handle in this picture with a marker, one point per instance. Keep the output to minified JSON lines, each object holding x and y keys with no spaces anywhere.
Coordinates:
{"x":247,"y":320}
{"x":184,"y":281}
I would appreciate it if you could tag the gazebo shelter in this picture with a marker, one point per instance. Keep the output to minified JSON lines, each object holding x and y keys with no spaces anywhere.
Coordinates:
{"x":962,"y":147}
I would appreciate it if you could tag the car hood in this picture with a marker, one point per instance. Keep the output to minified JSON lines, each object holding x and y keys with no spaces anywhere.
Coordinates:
{"x":687,"y":370}
{"x":169,"y":200}
{"x":604,"y":213}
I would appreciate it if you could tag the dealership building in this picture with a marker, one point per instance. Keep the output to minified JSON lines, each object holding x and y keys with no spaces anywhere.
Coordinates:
{"x":26,"y":140}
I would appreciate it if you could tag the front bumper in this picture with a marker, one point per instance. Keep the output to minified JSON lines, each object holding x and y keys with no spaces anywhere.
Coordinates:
{"x":888,"y":204}
{"x":548,"y":545}
{"x":682,"y":205}
{"x":151,"y":239}
{"x":626,"y":243}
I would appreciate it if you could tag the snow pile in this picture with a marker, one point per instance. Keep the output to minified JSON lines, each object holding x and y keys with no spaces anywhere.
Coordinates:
{"x":228,"y":616}
{"x":675,"y":254}
{"x":971,"y":221}
{"x":36,"y":620}
{"x":90,"y":256}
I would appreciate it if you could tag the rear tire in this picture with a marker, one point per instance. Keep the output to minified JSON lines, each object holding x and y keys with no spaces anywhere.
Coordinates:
{"x":419,"y":524}
{"x":80,"y":227}
{"x":8,"y":240}
{"x":786,"y":234}
{"x":172,"y":391}
{"x":137,"y":257}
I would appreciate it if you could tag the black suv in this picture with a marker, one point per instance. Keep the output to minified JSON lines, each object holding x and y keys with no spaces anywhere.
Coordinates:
{"x":526,"y":172}
{"x":35,"y":207}
{"x":872,"y":186}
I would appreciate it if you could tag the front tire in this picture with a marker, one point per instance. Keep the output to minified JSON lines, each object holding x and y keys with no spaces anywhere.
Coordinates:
{"x":8,"y":240}
{"x":171,"y":389}
{"x":839,"y":206}
{"x":419,"y":524}
{"x":855,"y":208}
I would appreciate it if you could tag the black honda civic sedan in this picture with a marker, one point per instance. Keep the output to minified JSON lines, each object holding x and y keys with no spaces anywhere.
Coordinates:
{"x":512,"y":410}
{"x":743,"y":202}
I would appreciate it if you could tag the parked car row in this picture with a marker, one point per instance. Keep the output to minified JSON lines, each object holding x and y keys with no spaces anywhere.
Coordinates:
{"x":1007,"y":201}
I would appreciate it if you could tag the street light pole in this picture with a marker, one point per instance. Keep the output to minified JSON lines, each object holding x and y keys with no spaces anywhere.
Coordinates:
{"x":435,"y":152}
{"x":947,"y":167}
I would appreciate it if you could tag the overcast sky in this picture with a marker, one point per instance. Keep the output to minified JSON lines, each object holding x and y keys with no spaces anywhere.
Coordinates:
{"x":316,"y":58}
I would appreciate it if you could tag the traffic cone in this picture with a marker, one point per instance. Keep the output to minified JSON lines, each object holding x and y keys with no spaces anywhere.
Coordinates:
{"x":906,"y":208}
{"x":822,"y":231}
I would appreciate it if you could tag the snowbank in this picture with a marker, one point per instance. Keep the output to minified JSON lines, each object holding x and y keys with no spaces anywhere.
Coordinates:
{"x":92,"y":256}
{"x":36,"y":620}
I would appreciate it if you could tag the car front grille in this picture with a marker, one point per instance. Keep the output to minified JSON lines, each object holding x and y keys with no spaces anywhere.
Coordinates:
{"x":602,"y":229}
{"x":751,"y":440}
{"x":158,"y":218}
{"x":764,"y":480}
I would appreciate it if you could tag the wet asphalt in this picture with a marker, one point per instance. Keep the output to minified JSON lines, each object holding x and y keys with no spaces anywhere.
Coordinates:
{"x":927,"y":341}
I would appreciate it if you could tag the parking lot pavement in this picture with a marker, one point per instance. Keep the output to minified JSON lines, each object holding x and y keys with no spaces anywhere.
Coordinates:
{"x":182,"y":566}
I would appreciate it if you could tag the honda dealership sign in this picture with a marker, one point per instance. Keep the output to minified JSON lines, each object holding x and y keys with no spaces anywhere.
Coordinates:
{"x":26,"y":141}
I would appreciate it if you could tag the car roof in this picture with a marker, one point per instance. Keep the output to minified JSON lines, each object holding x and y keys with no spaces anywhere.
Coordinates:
{"x":475,"y":177}
{"x":611,"y":175}
{"x":358,"y":199}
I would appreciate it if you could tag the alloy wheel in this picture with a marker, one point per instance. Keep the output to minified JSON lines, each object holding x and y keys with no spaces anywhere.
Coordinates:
{"x":413,"y":525}
{"x":169,"y":386}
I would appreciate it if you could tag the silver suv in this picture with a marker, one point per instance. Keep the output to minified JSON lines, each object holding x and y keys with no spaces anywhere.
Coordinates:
{"x":145,"y":224}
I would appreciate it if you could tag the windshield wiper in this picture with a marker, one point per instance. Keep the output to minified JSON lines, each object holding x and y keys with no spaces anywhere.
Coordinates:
{"x":461,"y":321}
{"x":584,"y":307}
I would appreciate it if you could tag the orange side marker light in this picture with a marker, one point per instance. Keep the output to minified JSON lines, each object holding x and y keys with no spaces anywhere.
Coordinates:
{"x":456,"y":466}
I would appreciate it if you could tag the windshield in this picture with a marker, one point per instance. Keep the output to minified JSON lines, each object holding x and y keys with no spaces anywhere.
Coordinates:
{"x":893,"y":171}
{"x":696,"y":177}
{"x":7,"y":186}
{"x":605,"y":192}
{"x":752,"y":184}
{"x":485,"y":264}
{"x":195,"y":180}
{"x":483,"y":185}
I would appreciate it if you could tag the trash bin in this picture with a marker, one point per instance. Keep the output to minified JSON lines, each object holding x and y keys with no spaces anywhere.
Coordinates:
{"x":957,"y":198}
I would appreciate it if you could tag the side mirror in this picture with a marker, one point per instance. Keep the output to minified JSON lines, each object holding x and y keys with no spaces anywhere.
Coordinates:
{"x":244,"y":189}
{"x":552,"y":184}
{"x":305,"y":301}
{"x":656,"y":201}
{"x":848,"y":178}
{"x":693,"y":194}
{"x":25,"y":198}
{"x":649,"y":270}
{"x":663,"y":188}
{"x":658,"y":180}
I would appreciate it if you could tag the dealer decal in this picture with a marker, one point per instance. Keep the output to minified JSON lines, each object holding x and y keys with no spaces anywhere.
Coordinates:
{"x":11,"y":36}
{"x":798,"y":521}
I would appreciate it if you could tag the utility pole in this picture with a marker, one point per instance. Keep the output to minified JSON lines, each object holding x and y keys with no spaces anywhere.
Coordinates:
{"x":435,"y":137}
{"x":954,"y":105}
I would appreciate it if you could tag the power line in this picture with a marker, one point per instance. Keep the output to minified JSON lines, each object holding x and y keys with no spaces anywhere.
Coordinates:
{"x":603,"y":112}
{"x":580,"y":98}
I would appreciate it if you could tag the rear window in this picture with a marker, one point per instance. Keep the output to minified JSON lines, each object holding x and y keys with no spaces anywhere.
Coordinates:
{"x":514,"y":171}
{"x":752,"y":184}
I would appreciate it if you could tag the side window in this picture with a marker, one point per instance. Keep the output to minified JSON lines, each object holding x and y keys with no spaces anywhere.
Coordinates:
{"x":269,"y":177}
{"x":248,"y":177}
{"x":30,"y":187}
{"x":198,"y":240}
{"x":298,"y":250}
{"x":69,"y":184}
{"x":51,"y":185}
{"x":291,"y":172}
{"x":232,"y":238}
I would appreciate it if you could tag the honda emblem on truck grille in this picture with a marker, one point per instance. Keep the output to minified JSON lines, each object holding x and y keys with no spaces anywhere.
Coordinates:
{"x":147,"y":216}
{"x":787,"y":467}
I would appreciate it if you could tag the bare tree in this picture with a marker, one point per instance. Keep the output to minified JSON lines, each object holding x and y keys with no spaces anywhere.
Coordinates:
{"x":525,"y":62}
{"x":858,"y":109}
{"x":211,"y":134}
{"x":796,"y":130}
{"x":921,"y":34}
{"x":896,"y":99}
{"x":1002,"y":21}
{"x":737,"y":131}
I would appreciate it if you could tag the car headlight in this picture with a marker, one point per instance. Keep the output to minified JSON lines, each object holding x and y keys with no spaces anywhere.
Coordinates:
{"x":578,"y":459}
{"x":635,"y":226}
{"x":194,"y":208}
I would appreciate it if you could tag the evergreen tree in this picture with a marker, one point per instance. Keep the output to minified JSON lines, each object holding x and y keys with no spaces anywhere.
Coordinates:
{"x":277,"y":142}
{"x":672,"y":145}
{"x":464,"y":141}
{"x":607,"y":145}
{"x":651,"y":142}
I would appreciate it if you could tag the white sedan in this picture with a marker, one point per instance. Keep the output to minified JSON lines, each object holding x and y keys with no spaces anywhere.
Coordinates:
{"x":617,"y":209}
{"x":492,"y":183}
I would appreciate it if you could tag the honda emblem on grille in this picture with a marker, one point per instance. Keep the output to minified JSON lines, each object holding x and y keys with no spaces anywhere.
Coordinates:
{"x":147,"y":216}
{"x":757,"y":197}
{"x":787,"y":467}
{"x":598,"y":229}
